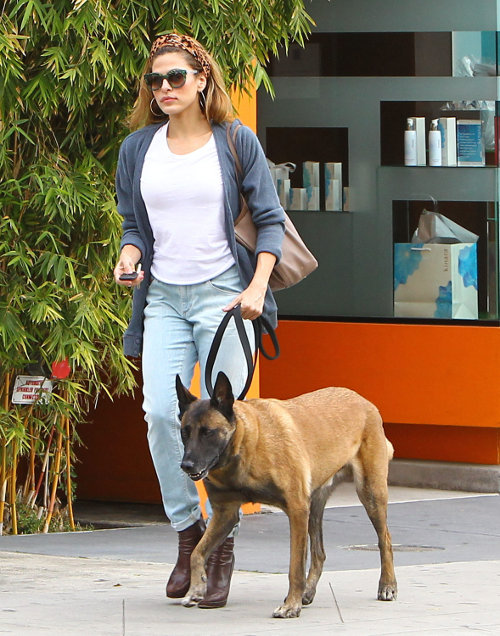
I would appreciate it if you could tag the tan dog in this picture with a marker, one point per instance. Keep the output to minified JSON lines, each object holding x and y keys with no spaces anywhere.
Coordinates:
{"x":285,"y":453}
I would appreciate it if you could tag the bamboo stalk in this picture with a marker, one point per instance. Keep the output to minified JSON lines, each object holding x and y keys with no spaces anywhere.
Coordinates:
{"x":68,"y":476}
{"x":55,"y":481}
{"x":13,"y":482}
{"x":29,"y":482}
{"x":45,"y":461}
{"x":3,"y":483}
{"x":31,"y":473}
{"x":3,"y":465}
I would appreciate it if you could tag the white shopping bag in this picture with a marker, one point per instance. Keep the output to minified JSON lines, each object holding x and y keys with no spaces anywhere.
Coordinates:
{"x":435,"y":280}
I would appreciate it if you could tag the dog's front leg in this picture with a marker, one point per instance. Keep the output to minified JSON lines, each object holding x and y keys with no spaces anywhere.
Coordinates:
{"x":298,"y":517}
{"x":223,"y":521}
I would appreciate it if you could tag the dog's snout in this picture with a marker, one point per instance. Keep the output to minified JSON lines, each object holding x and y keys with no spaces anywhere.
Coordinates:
{"x":187,"y":465}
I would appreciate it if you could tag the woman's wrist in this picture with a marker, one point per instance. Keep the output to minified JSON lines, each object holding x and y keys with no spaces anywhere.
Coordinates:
{"x":132,"y":252}
{"x":265,"y":264}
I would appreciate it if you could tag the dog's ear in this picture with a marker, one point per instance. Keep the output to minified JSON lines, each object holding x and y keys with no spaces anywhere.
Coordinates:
{"x":223,"y":398}
{"x":183,"y":395}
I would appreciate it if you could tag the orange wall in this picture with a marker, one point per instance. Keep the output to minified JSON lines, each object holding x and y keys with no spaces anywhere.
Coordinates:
{"x":246,"y":107}
{"x":422,"y":378}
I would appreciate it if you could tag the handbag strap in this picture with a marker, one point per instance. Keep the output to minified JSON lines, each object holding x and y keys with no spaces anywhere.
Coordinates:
{"x":231,"y":142}
{"x":258,"y":325}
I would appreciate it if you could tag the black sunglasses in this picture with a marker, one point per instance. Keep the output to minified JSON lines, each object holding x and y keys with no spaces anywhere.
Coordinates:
{"x":176,"y":78}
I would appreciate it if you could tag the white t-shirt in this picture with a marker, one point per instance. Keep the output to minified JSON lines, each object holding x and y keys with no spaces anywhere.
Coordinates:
{"x":184,"y":198}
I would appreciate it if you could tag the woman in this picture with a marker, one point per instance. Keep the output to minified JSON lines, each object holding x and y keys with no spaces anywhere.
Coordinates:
{"x":178,"y":193}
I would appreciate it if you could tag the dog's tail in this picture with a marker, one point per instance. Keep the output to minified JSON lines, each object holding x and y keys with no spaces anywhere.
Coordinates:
{"x":390,"y":449}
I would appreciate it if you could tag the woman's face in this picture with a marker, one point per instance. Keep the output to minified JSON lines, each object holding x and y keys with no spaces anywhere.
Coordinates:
{"x":174,"y":101}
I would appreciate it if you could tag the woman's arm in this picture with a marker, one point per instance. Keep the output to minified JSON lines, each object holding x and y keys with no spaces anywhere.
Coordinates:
{"x":260,"y":194}
{"x":251,"y":300}
{"x":269,"y":219}
{"x":131,"y":243}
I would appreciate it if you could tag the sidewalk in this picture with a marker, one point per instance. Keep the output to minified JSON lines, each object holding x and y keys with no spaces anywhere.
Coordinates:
{"x":107,"y":582}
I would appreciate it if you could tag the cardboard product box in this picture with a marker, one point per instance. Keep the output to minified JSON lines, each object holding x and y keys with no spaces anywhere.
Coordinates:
{"x":298,"y":199}
{"x":470,"y":143}
{"x":448,"y":128}
{"x":347,"y":200}
{"x":313,"y":198}
{"x":283,"y":189}
{"x":310,"y":174}
{"x":333,"y":186}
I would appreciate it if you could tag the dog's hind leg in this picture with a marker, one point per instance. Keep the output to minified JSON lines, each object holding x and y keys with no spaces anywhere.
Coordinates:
{"x":318,"y":556}
{"x":370,"y":476}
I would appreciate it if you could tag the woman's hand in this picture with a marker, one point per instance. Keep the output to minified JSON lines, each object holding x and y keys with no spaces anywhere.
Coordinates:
{"x":251,"y":299}
{"x":129,"y":257}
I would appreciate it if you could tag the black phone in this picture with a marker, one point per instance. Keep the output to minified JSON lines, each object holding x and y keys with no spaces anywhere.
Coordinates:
{"x":129,"y":276}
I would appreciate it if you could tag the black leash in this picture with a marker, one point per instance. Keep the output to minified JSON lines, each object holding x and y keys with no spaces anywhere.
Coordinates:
{"x":259,"y":325}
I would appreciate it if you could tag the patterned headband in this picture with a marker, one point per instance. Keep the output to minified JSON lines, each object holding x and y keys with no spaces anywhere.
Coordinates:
{"x":187,"y":44}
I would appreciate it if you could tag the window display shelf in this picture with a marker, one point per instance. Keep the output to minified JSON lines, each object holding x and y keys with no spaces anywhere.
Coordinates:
{"x":315,"y":213}
{"x":395,"y":114}
{"x":453,"y":183}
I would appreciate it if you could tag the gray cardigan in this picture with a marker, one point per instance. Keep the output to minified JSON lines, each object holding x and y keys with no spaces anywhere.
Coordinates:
{"x":260,"y":194}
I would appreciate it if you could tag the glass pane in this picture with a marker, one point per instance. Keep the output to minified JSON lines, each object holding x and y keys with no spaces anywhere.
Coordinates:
{"x":346,"y":97}
{"x":390,"y":54}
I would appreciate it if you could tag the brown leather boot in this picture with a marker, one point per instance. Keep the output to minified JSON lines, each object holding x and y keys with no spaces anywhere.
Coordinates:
{"x":178,"y":583}
{"x":220,"y":567}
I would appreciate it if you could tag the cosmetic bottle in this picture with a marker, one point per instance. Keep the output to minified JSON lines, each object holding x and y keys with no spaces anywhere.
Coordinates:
{"x":410,"y":143}
{"x":435,"y":154}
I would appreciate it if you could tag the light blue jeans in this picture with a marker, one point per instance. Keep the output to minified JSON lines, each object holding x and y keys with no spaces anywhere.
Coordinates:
{"x":179,"y":325}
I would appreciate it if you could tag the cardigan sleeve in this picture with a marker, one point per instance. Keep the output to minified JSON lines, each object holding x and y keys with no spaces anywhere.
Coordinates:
{"x":124,"y":193}
{"x":258,"y":187}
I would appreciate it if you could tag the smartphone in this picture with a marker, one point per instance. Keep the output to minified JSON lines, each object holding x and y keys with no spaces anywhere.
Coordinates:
{"x":129,"y":276}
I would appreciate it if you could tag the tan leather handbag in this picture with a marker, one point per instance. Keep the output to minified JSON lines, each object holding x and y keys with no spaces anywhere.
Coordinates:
{"x":296,"y":262}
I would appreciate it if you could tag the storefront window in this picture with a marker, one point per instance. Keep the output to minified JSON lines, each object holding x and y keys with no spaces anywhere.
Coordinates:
{"x":361,"y":195}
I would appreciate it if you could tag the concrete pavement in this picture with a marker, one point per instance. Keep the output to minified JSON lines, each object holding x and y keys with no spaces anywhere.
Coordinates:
{"x":107,"y":582}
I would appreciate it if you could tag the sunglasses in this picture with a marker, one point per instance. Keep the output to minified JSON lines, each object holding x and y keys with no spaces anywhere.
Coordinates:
{"x":176,"y":78}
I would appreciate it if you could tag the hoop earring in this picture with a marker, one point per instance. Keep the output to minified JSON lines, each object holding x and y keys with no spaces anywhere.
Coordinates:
{"x":203,"y":101}
{"x":161,"y":114}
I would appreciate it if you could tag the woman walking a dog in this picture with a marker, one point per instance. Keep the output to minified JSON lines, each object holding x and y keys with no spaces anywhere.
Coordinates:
{"x":179,"y":195}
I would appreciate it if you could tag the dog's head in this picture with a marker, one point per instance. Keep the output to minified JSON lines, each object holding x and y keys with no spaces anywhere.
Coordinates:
{"x":206,"y":427}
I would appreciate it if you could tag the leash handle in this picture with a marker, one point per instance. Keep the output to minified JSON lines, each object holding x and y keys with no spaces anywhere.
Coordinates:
{"x":258,"y":325}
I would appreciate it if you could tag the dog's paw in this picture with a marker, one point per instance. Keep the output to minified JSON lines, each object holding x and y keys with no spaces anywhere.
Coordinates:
{"x":190,"y":601}
{"x":387,"y":592}
{"x":287,"y":611}
{"x":308,"y":596}
{"x":192,"y":598}
{"x":307,"y":599}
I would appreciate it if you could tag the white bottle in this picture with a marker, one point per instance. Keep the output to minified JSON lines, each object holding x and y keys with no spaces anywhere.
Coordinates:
{"x":435,"y":152}
{"x":410,"y":143}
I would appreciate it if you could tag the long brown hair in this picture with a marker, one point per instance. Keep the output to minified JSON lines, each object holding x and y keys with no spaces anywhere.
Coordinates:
{"x":218,"y":107}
